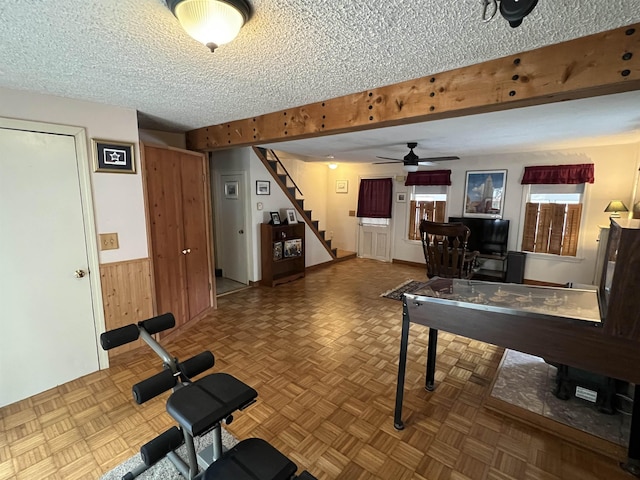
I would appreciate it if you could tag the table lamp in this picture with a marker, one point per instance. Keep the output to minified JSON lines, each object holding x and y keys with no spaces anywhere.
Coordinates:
{"x":616,"y":206}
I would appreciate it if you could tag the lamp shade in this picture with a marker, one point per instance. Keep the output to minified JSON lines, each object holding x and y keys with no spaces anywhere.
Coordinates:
{"x":410,"y":168}
{"x":211,"y":22}
{"x":616,"y":206}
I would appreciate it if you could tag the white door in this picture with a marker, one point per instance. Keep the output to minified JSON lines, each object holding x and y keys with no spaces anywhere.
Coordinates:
{"x":374,"y":240}
{"x":48,"y":335}
{"x":232,"y":253}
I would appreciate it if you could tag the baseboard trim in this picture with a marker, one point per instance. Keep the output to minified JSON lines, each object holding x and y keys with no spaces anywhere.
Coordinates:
{"x":411,"y":264}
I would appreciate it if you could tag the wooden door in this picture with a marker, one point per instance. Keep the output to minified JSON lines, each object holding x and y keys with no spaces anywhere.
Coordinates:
{"x":179,"y":223}
{"x":164,"y":194}
{"x":196,"y":234}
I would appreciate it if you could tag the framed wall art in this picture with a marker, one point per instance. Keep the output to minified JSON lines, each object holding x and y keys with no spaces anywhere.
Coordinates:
{"x":484,"y":193}
{"x":263,"y":187}
{"x":342,"y":186}
{"x":401,"y":197}
{"x":231,"y":189}
{"x":113,"y":157}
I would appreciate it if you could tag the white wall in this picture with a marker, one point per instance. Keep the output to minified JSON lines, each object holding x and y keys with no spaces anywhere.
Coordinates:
{"x":616,"y":174}
{"x":117,"y":198}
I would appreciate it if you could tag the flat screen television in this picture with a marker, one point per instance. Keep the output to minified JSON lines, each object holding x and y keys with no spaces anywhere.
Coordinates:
{"x":488,"y":235}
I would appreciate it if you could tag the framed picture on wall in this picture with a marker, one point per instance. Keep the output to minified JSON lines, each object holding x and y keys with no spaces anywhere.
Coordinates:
{"x":231,"y":189}
{"x":484,"y":193}
{"x":401,"y":197}
{"x":263,"y":187}
{"x":342,"y":186}
{"x":113,"y":157}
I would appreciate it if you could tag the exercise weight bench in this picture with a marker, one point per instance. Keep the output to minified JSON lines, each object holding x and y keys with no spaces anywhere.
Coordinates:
{"x":199,"y":407}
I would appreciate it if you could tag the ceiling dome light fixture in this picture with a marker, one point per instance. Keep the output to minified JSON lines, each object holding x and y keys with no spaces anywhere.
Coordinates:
{"x":211,"y":22}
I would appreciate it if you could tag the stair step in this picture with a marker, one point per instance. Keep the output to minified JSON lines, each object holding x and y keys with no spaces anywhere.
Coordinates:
{"x":322,"y":233}
{"x":283,"y":178}
{"x":273,"y":164}
{"x":315,"y":223}
{"x":334,"y":251}
{"x":300,"y":202}
{"x":308,"y":214}
{"x":292,"y":191}
{"x":328,"y":242}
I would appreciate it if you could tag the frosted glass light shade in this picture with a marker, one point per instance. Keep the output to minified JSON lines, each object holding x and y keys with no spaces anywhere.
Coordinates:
{"x":211,"y":22}
{"x":410,"y":168}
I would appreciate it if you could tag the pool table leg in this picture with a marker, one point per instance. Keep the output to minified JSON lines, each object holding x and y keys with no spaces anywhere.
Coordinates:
{"x":431,"y":360}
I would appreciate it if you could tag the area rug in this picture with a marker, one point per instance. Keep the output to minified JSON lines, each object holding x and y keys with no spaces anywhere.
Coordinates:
{"x":409,"y":286}
{"x":164,"y":469}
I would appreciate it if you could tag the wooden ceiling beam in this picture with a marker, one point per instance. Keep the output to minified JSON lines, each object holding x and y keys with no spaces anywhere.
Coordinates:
{"x":600,"y":64}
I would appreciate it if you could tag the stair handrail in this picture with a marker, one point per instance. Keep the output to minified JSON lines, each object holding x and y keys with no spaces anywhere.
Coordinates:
{"x":286,"y":172}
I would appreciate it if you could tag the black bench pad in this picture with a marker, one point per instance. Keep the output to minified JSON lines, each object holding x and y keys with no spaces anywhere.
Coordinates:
{"x":252,"y":459}
{"x":198,"y":406}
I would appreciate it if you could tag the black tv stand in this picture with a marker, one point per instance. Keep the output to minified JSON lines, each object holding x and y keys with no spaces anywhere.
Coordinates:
{"x":490,"y":273}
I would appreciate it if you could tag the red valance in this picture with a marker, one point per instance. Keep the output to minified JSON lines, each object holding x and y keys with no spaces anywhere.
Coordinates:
{"x":375,"y":198}
{"x":429,"y":177}
{"x":558,"y":174}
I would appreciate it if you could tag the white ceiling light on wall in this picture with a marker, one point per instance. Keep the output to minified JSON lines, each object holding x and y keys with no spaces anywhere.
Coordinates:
{"x":211,"y":22}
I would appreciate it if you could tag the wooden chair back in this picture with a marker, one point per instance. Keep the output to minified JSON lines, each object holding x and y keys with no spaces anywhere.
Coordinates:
{"x":445,"y":249}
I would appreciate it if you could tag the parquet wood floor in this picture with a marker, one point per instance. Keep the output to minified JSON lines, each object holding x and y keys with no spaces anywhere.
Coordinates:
{"x":322,"y":354}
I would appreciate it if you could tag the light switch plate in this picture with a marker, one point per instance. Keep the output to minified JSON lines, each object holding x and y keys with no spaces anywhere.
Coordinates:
{"x":109,"y":241}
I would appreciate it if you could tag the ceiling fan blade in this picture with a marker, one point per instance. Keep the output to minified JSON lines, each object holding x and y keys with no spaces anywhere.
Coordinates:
{"x":438,"y":159}
{"x":389,"y":158}
{"x":426,"y":164}
{"x":382,"y":163}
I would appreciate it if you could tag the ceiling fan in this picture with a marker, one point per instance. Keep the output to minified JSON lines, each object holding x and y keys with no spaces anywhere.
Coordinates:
{"x":412,"y":160}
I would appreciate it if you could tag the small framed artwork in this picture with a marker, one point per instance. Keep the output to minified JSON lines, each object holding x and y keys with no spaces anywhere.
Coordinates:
{"x":293,"y":248}
{"x":113,"y":157}
{"x":231,"y":189}
{"x":277,"y":251}
{"x":342,"y":186}
{"x":484,"y":193}
{"x":263,"y":187}
{"x":401,"y":197}
{"x":275,"y":218}
{"x":291,"y":216}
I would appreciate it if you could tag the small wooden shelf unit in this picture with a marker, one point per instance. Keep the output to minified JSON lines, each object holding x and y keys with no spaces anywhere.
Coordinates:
{"x":285,"y":269}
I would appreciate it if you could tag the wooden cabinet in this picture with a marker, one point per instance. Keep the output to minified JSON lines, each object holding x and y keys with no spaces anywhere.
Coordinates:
{"x":282,"y":251}
{"x":177,"y":193}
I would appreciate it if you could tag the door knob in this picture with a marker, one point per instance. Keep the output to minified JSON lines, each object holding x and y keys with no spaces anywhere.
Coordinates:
{"x":186,"y":250}
{"x":79,"y":273}
{"x":240,"y":232}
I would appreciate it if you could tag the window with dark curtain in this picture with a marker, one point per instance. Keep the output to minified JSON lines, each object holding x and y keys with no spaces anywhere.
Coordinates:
{"x":558,"y":174}
{"x":429,"y":177}
{"x":375,"y":198}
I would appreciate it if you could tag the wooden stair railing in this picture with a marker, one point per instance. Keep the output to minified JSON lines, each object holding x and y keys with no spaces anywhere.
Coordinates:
{"x":283,"y":180}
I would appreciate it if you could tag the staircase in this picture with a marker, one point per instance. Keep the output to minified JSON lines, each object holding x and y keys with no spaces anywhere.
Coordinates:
{"x":289,"y":187}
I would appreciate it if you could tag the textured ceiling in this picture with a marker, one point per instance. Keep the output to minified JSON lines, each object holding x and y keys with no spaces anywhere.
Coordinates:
{"x":133,"y":53}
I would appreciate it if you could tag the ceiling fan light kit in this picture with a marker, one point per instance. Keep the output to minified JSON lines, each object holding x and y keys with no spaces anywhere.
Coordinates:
{"x":211,"y":22}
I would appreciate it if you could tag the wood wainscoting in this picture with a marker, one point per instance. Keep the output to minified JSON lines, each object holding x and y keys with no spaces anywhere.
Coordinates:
{"x":127,"y":296}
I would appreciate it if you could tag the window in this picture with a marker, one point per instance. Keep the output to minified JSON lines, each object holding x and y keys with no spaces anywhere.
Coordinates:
{"x":552,"y":219}
{"x":428,"y":202}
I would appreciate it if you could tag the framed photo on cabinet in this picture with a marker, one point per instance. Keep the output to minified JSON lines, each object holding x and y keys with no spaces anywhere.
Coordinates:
{"x":275,"y":218}
{"x":291,"y":216}
{"x":293,"y":247}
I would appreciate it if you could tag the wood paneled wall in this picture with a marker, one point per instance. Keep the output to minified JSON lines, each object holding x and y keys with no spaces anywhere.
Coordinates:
{"x":127,"y":296}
